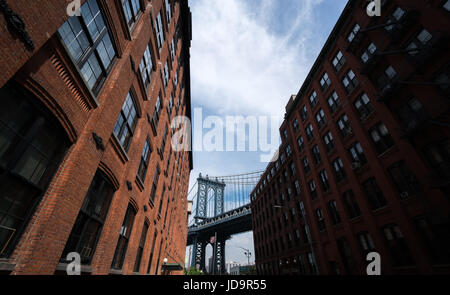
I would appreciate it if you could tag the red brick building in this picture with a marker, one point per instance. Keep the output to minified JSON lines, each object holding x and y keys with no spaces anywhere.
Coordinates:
{"x":86,"y":160}
{"x":365,"y":155}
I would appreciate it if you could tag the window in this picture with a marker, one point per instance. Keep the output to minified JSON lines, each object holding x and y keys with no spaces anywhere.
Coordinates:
{"x":159,"y":32}
{"x":301,"y":143}
{"x":282,"y":158}
{"x":351,"y":205}
{"x":157,"y":112}
{"x":154,"y":185}
{"x":396,"y":16}
{"x":381,"y":138}
{"x":146,"y":67}
{"x":161,"y":201}
{"x":435,"y":237}
{"x":124,"y":237}
{"x":32,"y":145}
{"x":338,"y":61}
{"x":363,"y":106}
{"x":366,"y":243}
{"x":309,"y":132}
{"x":329,"y":141}
{"x":324,"y":180}
{"x":412,"y":113}
{"x":292,"y":167}
{"x":140,"y":251}
{"x":374,"y":194}
{"x":306,"y":166}
{"x":316,"y":154}
{"x":325,"y":82}
{"x":346,"y":254}
{"x":386,"y":79}
{"x":131,"y":8}
{"x":304,"y":113}
{"x":297,"y":187}
{"x":163,"y":141}
{"x":357,"y":155}
{"x":145,"y":159}
{"x":344,"y":126}
{"x":285,"y":134}
{"x":396,"y":243}
{"x":447,"y":5}
{"x":165,"y":75}
{"x":172,"y":50}
{"x":170,"y":105}
{"x":312,"y":189}
{"x":312,"y":264}
{"x":351,"y":36}
{"x":320,"y":118}
{"x":288,"y":150}
{"x":438,"y":156}
{"x":91,"y":218}
{"x":334,"y":102}
{"x":339,"y":169}
{"x":88,"y":41}
{"x":404,"y":179}
{"x":126,"y":123}
{"x":168,"y":11}
{"x":320,"y":219}
{"x":368,"y":53}
{"x":350,"y":81}
{"x":313,"y":100}
{"x":419,"y":42}
{"x":150,"y":260}
{"x":295,"y":125}
{"x":333,"y":211}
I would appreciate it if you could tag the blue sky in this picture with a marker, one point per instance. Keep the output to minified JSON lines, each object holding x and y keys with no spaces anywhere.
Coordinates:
{"x":247,"y":58}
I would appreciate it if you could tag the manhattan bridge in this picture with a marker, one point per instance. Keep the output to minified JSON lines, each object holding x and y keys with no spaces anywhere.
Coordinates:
{"x":221,"y":208}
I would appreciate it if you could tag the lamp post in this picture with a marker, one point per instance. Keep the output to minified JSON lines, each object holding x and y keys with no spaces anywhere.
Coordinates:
{"x":308,"y":233}
{"x":248,"y":254}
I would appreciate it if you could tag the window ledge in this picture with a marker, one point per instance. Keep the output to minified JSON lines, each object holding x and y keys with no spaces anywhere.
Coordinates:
{"x":6,"y":265}
{"x":388,"y":152}
{"x":115,"y":272}
{"x":87,"y":269}
{"x":119,"y":149}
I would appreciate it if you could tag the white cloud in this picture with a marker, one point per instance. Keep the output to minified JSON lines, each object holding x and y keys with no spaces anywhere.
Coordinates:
{"x":238,"y":65}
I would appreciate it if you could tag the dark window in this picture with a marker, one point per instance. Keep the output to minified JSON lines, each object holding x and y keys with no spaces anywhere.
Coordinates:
{"x":306,"y":166}
{"x":350,"y":81}
{"x":126,"y":123}
{"x":320,"y":118}
{"x":434,"y":234}
{"x":140,"y":251}
{"x":386,"y":79}
{"x":334,"y":102}
{"x":334,"y":213}
{"x":168,"y":11}
{"x":163,"y":141}
{"x":381,"y":138}
{"x":312,"y":189}
{"x":159,"y":31}
{"x":150,"y":260}
{"x":145,"y":159}
{"x":404,"y":179}
{"x":338,"y":61}
{"x":157,"y":112}
{"x":329,"y":141}
{"x":357,"y":155}
{"x":320,"y":219}
{"x":131,"y":9}
{"x":351,"y":205}
{"x":396,"y":16}
{"x":304,"y":113}
{"x":297,"y":187}
{"x":316,"y":154}
{"x":344,"y":126}
{"x":154,"y":185}
{"x":309,"y":132}
{"x":165,"y":75}
{"x":325,"y":82}
{"x":412,"y":114}
{"x":324,"y":180}
{"x":366,"y":243}
{"x":301,"y":143}
{"x":124,"y":238}
{"x":439,"y":157}
{"x":146,"y":67}
{"x":374,"y":194}
{"x":346,"y":255}
{"x":368,"y":53}
{"x":292,"y":167}
{"x":313,"y":99}
{"x":295,"y":125}
{"x":288,"y":151}
{"x":32,"y":144}
{"x":88,"y":41}
{"x":353,"y":33}
{"x":91,"y":218}
{"x":396,"y":243}
{"x":339,"y":169}
{"x":363,"y":106}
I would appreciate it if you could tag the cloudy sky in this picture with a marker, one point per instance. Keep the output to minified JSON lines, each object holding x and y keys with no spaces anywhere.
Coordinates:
{"x":247,"y":58}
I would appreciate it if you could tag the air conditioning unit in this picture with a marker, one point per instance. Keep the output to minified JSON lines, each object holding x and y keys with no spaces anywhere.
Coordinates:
{"x":356,"y":165}
{"x":404,"y":195}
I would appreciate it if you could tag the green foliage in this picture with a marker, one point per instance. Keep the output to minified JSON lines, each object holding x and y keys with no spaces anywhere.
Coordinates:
{"x":193,"y":272}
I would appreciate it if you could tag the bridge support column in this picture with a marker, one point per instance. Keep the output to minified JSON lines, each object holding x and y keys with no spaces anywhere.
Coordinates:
{"x":198,"y":255}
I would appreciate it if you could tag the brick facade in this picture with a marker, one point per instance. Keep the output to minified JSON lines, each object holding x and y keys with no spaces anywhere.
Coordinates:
{"x":386,"y":162}
{"x":52,"y":77}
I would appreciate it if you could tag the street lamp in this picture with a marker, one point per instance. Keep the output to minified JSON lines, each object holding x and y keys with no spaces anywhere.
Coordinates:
{"x":248,"y":254}
{"x":308,"y":233}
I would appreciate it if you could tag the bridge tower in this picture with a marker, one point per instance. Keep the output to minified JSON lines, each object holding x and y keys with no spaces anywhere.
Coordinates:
{"x":206,"y":187}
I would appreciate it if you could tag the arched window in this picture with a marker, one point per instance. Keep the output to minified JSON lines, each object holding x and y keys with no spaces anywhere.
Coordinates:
{"x":32,"y":145}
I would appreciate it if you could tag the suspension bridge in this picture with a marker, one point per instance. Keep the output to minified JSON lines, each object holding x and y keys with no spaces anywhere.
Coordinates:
{"x":222,"y":209}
